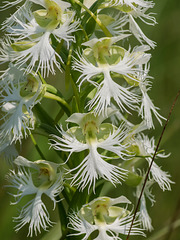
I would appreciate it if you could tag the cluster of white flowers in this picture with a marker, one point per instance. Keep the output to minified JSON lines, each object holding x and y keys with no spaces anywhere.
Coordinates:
{"x":110,"y":81}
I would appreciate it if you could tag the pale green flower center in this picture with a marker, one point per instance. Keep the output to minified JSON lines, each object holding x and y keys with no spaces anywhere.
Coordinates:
{"x":90,"y":130}
{"x":50,"y":17}
{"x":30,"y":86}
{"x":46,"y":175}
{"x":103,"y":53}
{"x":101,"y":212}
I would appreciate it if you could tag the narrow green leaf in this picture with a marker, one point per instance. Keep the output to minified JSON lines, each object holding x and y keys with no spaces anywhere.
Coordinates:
{"x":75,"y":107}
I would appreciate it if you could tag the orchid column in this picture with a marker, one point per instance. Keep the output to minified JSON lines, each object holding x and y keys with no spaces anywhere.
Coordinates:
{"x":97,"y":137}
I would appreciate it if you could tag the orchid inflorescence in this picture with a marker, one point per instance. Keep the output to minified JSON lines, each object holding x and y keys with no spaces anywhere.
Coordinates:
{"x":93,"y":133}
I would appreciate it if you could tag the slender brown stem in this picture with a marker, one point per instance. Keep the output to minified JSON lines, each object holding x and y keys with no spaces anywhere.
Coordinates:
{"x":147,"y":174}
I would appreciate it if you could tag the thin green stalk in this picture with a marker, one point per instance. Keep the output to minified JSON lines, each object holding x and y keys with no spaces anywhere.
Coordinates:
{"x":68,"y":77}
{"x":68,"y":68}
{"x":84,"y":32}
{"x":63,"y":103}
{"x":42,"y":79}
{"x":97,"y":20}
{"x":37,"y":147}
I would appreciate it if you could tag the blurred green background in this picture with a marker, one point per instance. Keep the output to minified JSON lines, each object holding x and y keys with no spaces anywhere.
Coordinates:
{"x":165,"y":68}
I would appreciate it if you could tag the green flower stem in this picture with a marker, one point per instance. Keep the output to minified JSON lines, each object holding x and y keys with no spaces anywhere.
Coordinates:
{"x":68,"y":68}
{"x":68,"y":77}
{"x":76,"y":93}
{"x":52,"y":89}
{"x":37,"y":147}
{"x":42,"y":79}
{"x":84,"y":32}
{"x":97,"y":20}
{"x":62,"y":216}
{"x":62,"y":102}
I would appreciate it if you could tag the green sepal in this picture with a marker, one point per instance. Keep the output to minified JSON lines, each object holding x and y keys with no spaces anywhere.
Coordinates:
{"x":53,"y":90}
{"x":116,"y":53}
{"x":133,"y":81}
{"x":105,"y":19}
{"x":133,"y":179}
{"x":123,"y":8}
{"x":42,"y":18}
{"x":112,"y":55}
{"x":104,"y":130}
{"x":114,"y":212}
{"x":89,"y":56}
{"x":22,"y":45}
{"x":77,"y":132}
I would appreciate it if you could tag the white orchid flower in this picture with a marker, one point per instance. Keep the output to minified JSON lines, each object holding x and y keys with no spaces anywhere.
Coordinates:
{"x":92,"y":135}
{"x":147,"y":148}
{"x":45,"y":180}
{"x":104,"y":60}
{"x":101,"y":215}
{"x":31,"y":33}
{"x":17,"y":100}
